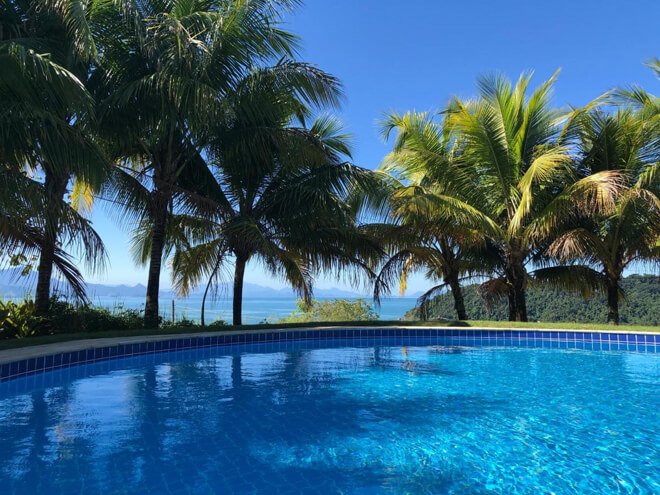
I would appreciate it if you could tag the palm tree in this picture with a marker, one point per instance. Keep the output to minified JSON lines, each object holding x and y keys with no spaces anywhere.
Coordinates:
{"x":166,"y":71}
{"x":421,"y":247}
{"x":518,"y":171}
{"x":45,"y":52}
{"x":279,"y":192}
{"x":628,"y":144}
{"x":421,"y":235}
{"x":637,"y":97}
{"x":22,"y":228}
{"x":500,"y":165}
{"x":513,"y":147}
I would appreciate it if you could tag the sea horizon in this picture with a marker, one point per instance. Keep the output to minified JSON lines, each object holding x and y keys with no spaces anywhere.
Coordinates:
{"x":255,"y":309}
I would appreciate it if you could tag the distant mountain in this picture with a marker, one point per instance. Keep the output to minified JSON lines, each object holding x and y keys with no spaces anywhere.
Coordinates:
{"x":13,"y":284}
{"x":100,"y":290}
{"x":253,"y":290}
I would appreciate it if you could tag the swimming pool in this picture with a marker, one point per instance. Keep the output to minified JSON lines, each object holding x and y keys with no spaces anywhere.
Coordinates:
{"x":374,"y":415}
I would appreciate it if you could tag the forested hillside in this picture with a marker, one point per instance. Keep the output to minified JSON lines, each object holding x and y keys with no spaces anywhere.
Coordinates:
{"x":641,"y":306}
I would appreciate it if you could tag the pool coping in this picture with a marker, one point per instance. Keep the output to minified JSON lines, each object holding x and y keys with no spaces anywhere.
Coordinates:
{"x":29,"y":352}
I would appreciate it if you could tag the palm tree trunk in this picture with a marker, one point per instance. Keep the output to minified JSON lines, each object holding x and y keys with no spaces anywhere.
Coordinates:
{"x":612,"y":300}
{"x":44,"y":275}
{"x":517,"y":280}
{"x":512,"y":306}
{"x":206,"y":291}
{"x":239,"y":274}
{"x":55,"y":187}
{"x":457,"y":293}
{"x":521,"y":301}
{"x":208,"y":286}
{"x":160,"y":214}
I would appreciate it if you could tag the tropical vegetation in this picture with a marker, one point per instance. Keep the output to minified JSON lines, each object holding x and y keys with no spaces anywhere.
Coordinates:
{"x":279,"y":194}
{"x":627,"y":144}
{"x":331,"y":310}
{"x":496,"y":175}
{"x":170,"y":91}
{"x":197,"y":126}
{"x":551,"y":305}
{"x":48,"y":129}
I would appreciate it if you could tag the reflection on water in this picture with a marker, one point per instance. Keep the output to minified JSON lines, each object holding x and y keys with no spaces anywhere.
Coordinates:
{"x":333,"y":420}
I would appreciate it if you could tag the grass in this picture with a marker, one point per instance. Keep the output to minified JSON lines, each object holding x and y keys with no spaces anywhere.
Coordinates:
{"x":561,"y":326}
{"x":51,"y":339}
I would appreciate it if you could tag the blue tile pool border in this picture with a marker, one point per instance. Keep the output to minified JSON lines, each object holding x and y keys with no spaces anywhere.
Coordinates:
{"x":554,"y":339}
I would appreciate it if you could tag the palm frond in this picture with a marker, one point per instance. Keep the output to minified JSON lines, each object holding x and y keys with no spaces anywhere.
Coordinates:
{"x":425,"y":299}
{"x":580,"y":279}
{"x":493,"y":291}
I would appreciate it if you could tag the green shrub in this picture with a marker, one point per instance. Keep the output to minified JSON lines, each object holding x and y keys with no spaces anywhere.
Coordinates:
{"x":187,"y":323}
{"x":182,"y":323}
{"x":17,"y":320}
{"x":331,"y":310}
{"x":65,"y":317}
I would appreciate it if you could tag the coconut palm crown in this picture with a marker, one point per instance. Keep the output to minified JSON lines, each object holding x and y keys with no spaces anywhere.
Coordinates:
{"x":47,"y":138}
{"x":510,"y":176}
{"x":628,"y":144}
{"x":421,"y":235}
{"x":165,"y":74}
{"x":279,"y":190}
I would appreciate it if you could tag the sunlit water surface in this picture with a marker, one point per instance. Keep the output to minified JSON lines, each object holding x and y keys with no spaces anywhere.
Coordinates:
{"x":337,"y":420}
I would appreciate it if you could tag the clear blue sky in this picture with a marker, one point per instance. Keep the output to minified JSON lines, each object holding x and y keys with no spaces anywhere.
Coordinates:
{"x":416,"y":54}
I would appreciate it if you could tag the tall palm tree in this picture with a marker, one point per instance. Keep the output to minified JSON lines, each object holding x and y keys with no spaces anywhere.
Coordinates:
{"x":520,"y":174}
{"x":628,"y":144}
{"x":166,"y":71}
{"x":279,"y":192}
{"x":421,"y":235}
{"x":509,"y":176}
{"x":46,"y":52}
{"x":513,"y":146}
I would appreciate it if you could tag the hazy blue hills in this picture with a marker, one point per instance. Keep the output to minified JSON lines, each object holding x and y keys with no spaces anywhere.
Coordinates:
{"x":13,"y":284}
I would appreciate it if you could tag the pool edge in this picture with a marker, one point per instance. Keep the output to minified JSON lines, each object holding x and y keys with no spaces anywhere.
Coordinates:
{"x":16,"y":363}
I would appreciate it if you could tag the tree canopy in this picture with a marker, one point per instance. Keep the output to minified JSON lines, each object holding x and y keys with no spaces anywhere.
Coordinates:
{"x":214,"y":146}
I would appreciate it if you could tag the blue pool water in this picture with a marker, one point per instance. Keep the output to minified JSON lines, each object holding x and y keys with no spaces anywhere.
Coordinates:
{"x":335,"y":418}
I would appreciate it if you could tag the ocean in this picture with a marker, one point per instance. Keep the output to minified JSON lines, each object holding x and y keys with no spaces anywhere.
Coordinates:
{"x":255,"y":309}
